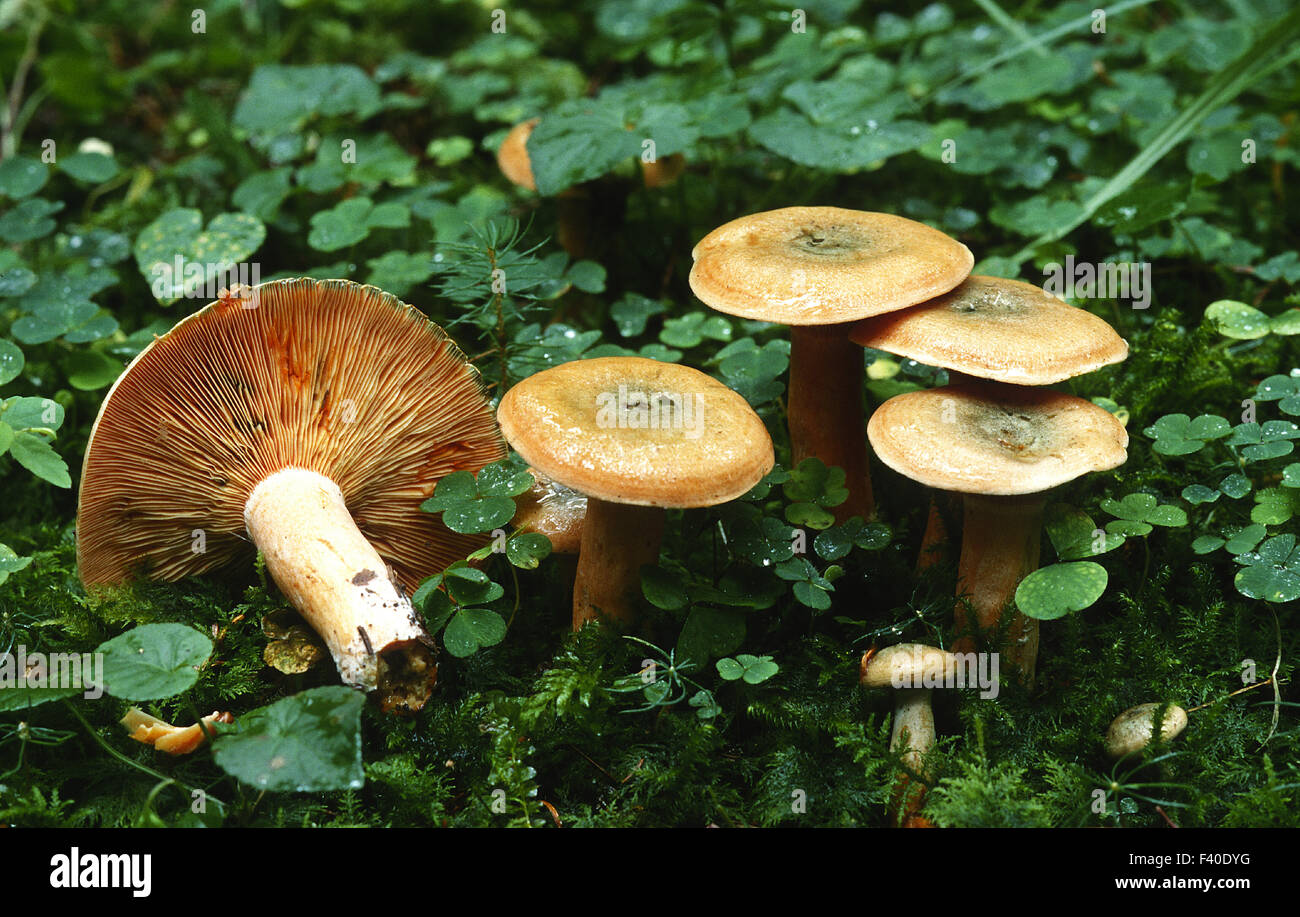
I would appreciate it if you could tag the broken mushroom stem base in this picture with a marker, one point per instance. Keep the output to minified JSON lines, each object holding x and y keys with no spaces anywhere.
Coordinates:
{"x":1000,"y":543}
{"x":328,"y":570}
{"x":617,"y":540}
{"x":825,"y":409}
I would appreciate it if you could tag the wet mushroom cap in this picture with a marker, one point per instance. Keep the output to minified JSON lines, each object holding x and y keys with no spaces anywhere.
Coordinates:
{"x":637,"y":431}
{"x":906,"y":664}
{"x":512,"y":155}
{"x":553,"y":510}
{"x":824,"y":265}
{"x":989,"y":438}
{"x":329,"y":376}
{"x":1132,"y":730}
{"x":997,"y":329}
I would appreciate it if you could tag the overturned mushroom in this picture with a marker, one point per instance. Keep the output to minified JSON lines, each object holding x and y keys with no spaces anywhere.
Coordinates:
{"x":175,"y":740}
{"x":1003,"y":447}
{"x":635,"y":436}
{"x":818,"y":269}
{"x":309,"y":418}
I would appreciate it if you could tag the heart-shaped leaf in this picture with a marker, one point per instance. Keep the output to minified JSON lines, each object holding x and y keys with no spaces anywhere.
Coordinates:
{"x":153,"y":661}
{"x":1055,"y":591}
{"x":308,"y":743}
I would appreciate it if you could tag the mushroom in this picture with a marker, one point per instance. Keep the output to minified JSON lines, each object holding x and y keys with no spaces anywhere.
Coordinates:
{"x":512,"y":155}
{"x":635,"y":436}
{"x":1003,"y":447}
{"x":552,"y":510}
{"x":662,"y":172}
{"x":998,"y":329}
{"x":1004,"y":330}
{"x":310,"y":418}
{"x":1133,"y":729}
{"x":913,"y":670}
{"x":818,"y":269}
{"x":175,"y":740}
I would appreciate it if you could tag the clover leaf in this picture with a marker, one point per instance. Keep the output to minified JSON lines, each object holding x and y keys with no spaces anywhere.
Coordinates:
{"x":1271,"y":571}
{"x":1137,"y":513}
{"x":1075,"y":536}
{"x":752,"y":669}
{"x":469,"y":505}
{"x":1178,"y":434}
{"x":1261,"y":442}
{"x":1054,"y":591}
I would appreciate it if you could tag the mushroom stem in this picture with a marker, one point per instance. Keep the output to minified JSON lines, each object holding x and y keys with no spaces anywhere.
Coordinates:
{"x":934,"y":542}
{"x":617,"y":540}
{"x":1000,"y":544}
{"x":825,"y":409}
{"x":337,"y":580}
{"x":913,"y":736}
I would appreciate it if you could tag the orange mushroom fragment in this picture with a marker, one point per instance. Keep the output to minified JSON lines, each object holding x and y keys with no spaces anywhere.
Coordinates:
{"x":175,"y":740}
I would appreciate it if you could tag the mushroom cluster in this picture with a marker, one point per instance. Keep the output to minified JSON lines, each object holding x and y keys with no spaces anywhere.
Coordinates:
{"x":306,"y":419}
{"x":819,"y":270}
{"x":994,"y":435}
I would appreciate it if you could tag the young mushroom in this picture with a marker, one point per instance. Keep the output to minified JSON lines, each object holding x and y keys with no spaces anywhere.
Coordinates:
{"x":819,"y":269}
{"x":913,"y":670}
{"x":1134,"y":729}
{"x":635,"y":436}
{"x":309,"y":418}
{"x":1003,"y":447}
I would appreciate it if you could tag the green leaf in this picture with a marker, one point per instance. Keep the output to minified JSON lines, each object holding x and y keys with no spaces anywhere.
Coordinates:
{"x":153,"y":661}
{"x":10,"y":562}
{"x":22,"y":176}
{"x":1178,"y":434}
{"x":480,"y":515}
{"x":38,"y":456}
{"x":813,"y":482}
{"x":1074,"y":535}
{"x":89,"y":370}
{"x":11,"y":361}
{"x":631,"y":313}
{"x":30,"y":413}
{"x":663,"y":589}
{"x":1237,"y":320}
{"x":471,"y":629}
{"x":29,"y":220}
{"x":503,"y":479}
{"x":752,"y":669}
{"x":528,"y":549}
{"x":228,"y":240}
{"x":89,"y":168}
{"x":853,"y":140}
{"x":1053,"y":592}
{"x":308,"y":743}
{"x":709,"y":633}
{"x":281,"y":99}
{"x":691,"y":329}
